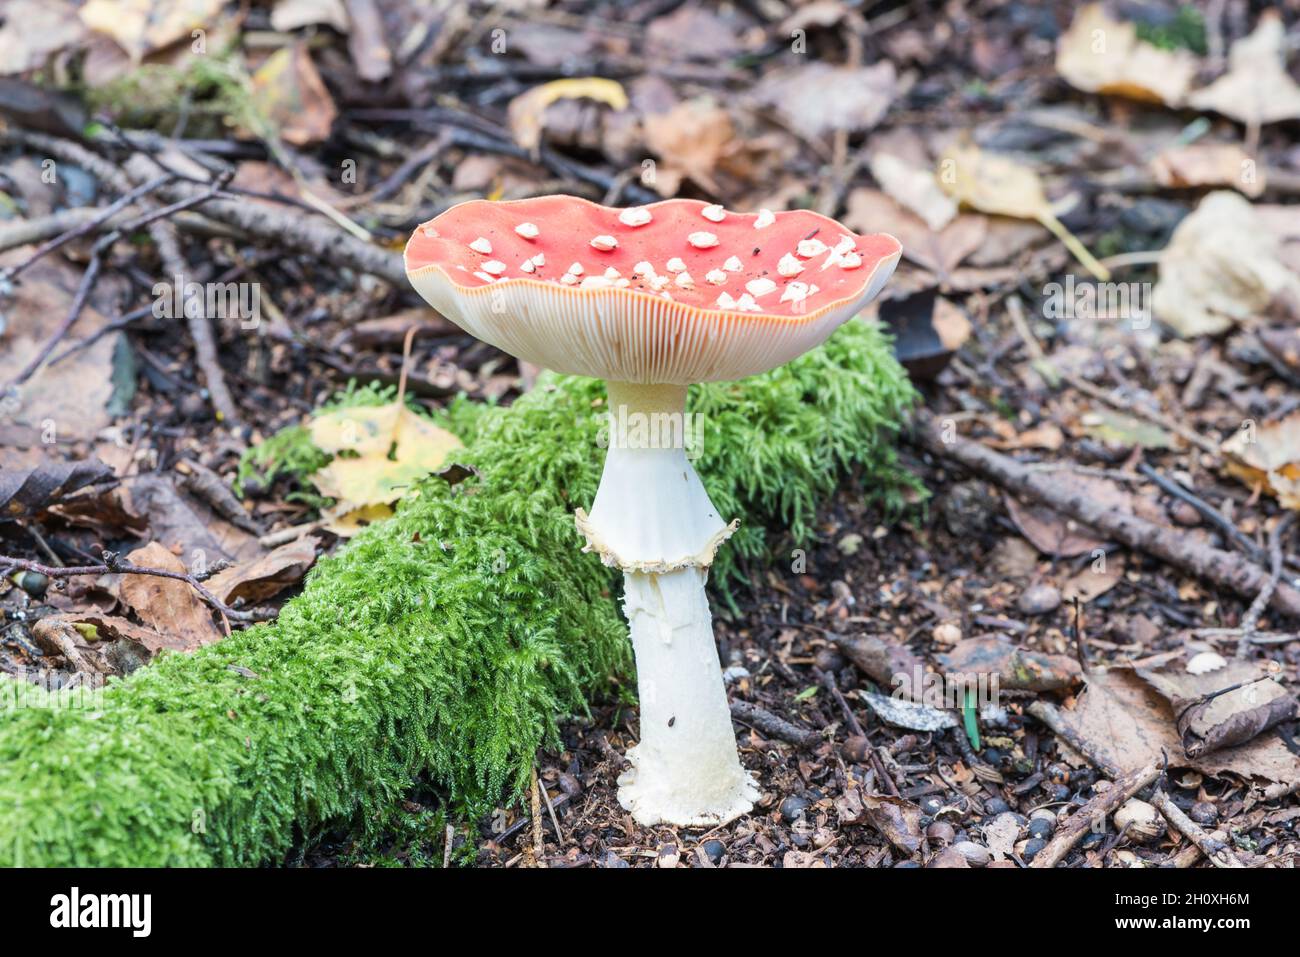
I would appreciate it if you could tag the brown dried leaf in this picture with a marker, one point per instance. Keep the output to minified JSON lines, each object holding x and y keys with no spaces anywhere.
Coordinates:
{"x":882,"y":661}
{"x":1208,"y":164}
{"x":27,"y":490}
{"x":1017,"y":669}
{"x":1209,"y":720}
{"x":272,"y":573}
{"x":1126,"y":723}
{"x":1094,"y":582}
{"x":817,"y":98}
{"x":143,"y":26}
{"x":289,"y":92}
{"x":691,"y":140}
{"x":169,"y":607}
{"x":899,"y":821}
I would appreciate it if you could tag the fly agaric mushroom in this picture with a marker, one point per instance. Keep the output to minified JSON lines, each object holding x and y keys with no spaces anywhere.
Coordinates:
{"x":606,"y":297}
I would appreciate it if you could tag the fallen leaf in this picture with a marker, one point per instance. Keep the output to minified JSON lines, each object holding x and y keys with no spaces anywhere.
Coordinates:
{"x":914,"y":188}
{"x":907,"y":714}
{"x":69,"y":397}
{"x":1268,"y":455}
{"x":1208,"y":164}
{"x":115,"y":627}
{"x":258,"y":580}
{"x":27,"y":490}
{"x":367,"y":42}
{"x":1101,"y":55}
{"x":695,"y":33}
{"x":1017,"y":669}
{"x":941,"y":251}
{"x":142,"y":26}
{"x":1127,"y":724}
{"x":898,"y":821}
{"x":170,"y":607}
{"x":1223,"y":707}
{"x":691,"y":140}
{"x":884,"y":662}
{"x":34,"y":30}
{"x":1093,"y":582}
{"x":526,"y":110}
{"x":1126,"y":431}
{"x":1222,"y":266}
{"x":1000,"y":835}
{"x":290,"y":94}
{"x":289,"y":15}
{"x":389,"y":448}
{"x":996,"y":184}
{"x":817,"y":98}
{"x":1257,"y":88}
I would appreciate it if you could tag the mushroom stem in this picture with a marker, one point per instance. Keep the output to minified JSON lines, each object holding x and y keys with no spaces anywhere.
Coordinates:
{"x":653,"y":518}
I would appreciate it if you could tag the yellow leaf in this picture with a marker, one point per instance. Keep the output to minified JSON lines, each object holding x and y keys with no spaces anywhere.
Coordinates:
{"x":391,"y":448}
{"x":1268,"y":455}
{"x":996,"y":184}
{"x":525,"y":111}
{"x":1101,"y":55}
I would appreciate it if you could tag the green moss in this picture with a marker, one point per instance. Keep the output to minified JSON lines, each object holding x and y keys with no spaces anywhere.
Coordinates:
{"x":449,"y":641}
{"x":1184,"y":30}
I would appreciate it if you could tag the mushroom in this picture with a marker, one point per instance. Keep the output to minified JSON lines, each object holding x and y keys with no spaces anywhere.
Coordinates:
{"x":649,"y":340}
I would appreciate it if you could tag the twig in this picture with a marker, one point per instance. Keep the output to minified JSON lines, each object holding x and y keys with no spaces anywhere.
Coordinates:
{"x":1251,"y":618}
{"x":1050,"y":716}
{"x":1142,"y":412}
{"x":1099,"y":808}
{"x":113,"y":566}
{"x":69,"y":319}
{"x":1226,"y":569}
{"x":88,"y":225}
{"x":1203,"y":508}
{"x":539,"y":845}
{"x":555,"y":821}
{"x":1218,"y":853}
{"x":774,"y":726}
{"x":210,"y":487}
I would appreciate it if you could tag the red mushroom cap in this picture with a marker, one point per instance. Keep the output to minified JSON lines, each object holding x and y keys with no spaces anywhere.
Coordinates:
{"x":675,"y":292}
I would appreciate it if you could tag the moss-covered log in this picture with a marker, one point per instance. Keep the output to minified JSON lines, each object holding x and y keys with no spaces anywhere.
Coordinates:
{"x":448,"y":641}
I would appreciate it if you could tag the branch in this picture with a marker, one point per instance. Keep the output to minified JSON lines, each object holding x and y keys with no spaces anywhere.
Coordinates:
{"x":1226,"y":569}
{"x":112,"y":566}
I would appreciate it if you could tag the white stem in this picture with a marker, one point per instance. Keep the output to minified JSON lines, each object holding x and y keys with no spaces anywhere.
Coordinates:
{"x":653,"y":519}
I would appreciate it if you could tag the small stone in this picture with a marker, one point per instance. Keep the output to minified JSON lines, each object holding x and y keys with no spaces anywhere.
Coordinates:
{"x":940,"y":832}
{"x":1031,"y":848}
{"x":613,"y":860}
{"x":948,"y":857}
{"x":828,"y":659}
{"x":1183,"y":513}
{"x":856,"y":750}
{"x":1204,"y":813}
{"x":948,"y":633}
{"x":1040,"y":827}
{"x":570,"y":785}
{"x":1145,"y":824}
{"x":794,"y":808}
{"x":995,"y":806}
{"x":714,"y":850}
{"x":34,"y":583}
{"x":931,"y":805}
{"x":735,"y":673}
{"x":1039,"y":599}
{"x":1091,"y":841}
{"x":977,"y":855}
{"x":669,"y":855}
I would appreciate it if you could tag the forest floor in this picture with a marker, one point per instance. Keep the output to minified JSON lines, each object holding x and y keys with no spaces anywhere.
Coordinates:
{"x":1109,"y":426}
